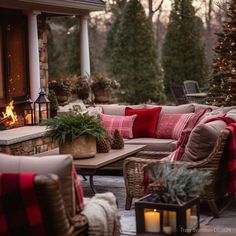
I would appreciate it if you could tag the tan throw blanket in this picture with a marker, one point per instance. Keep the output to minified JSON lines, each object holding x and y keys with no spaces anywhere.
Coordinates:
{"x":103,"y":215}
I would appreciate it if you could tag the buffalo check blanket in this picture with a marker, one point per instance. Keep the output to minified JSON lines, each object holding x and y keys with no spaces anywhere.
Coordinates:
{"x":19,"y":209}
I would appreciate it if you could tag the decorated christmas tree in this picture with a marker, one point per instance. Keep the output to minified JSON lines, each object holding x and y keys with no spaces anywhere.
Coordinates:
{"x":222,"y":91}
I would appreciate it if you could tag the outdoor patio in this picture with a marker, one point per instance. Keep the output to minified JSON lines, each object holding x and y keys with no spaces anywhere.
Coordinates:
{"x":142,"y":96}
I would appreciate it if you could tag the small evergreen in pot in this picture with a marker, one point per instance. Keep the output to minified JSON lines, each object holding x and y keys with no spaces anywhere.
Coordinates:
{"x":102,"y":87}
{"x":75,"y":134}
{"x":62,"y":89}
{"x":82,"y":87}
{"x":53,"y":103}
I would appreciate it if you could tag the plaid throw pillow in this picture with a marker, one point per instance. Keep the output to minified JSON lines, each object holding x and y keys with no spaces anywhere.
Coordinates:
{"x":124,"y":124}
{"x":172,"y":125}
{"x":79,"y":194}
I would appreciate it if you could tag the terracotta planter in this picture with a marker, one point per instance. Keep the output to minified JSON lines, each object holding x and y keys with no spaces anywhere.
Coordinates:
{"x":83,"y":93}
{"x":102,"y":95}
{"x":82,"y":147}
{"x":62,"y":98}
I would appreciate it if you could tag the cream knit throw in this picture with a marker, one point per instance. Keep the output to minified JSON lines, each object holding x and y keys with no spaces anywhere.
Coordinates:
{"x":103,"y":215}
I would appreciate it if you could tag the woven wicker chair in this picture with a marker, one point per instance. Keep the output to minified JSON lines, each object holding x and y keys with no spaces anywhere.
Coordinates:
{"x":133,"y":174}
{"x":55,"y":217}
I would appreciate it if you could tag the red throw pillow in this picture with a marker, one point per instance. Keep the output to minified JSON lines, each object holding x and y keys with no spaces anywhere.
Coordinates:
{"x":78,"y":190}
{"x":146,"y":121}
{"x":124,"y":124}
{"x":172,"y":125}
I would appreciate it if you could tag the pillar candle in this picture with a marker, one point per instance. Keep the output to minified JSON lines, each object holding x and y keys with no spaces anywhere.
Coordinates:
{"x":44,"y":115}
{"x":152,"y":221}
{"x":167,"y":229}
{"x":193,"y":222}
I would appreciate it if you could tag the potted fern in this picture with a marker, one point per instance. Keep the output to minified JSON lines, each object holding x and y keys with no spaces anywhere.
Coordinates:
{"x":75,"y":133}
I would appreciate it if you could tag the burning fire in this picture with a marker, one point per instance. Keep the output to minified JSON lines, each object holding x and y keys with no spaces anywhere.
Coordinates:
{"x":10,"y":114}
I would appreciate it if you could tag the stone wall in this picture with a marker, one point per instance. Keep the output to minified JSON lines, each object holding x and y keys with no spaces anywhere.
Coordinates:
{"x":29,"y":147}
{"x":43,"y":52}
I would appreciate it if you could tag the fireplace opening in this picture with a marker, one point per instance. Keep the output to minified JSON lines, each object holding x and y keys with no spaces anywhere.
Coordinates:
{"x":9,"y":119}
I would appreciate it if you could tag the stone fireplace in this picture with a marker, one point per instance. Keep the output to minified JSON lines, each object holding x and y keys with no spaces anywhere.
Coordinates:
{"x":17,"y":139}
{"x":26,"y":140}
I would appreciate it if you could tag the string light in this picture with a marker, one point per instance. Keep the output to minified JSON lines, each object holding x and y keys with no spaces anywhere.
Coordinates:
{"x":222,"y":87}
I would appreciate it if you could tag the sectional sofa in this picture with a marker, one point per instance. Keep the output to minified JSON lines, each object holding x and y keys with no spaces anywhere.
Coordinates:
{"x":204,"y":149}
{"x":167,"y":142}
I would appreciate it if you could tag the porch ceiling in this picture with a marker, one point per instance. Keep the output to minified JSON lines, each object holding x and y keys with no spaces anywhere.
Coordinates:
{"x":70,"y":7}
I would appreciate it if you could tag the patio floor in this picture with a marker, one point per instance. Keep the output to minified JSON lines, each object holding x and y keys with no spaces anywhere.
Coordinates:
{"x":210,"y":226}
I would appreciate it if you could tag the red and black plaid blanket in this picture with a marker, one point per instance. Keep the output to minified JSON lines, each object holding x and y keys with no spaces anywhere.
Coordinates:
{"x":19,"y":209}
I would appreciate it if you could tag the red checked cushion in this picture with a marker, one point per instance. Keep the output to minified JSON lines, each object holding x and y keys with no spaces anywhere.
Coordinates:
{"x":79,"y":193}
{"x":172,"y":125}
{"x":146,"y":121}
{"x":124,"y":124}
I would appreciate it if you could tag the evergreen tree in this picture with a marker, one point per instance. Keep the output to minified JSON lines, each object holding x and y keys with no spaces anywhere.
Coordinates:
{"x":116,"y":9}
{"x":133,"y":60}
{"x":222,"y":91}
{"x":183,"y":56}
{"x":63,"y":46}
{"x":72,"y":51}
{"x":53,"y":57}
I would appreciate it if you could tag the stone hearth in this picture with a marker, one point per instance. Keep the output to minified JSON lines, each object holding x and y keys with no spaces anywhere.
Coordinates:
{"x":27,"y":140}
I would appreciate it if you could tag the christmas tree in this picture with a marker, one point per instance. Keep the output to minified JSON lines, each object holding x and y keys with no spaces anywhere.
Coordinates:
{"x":222,"y":91}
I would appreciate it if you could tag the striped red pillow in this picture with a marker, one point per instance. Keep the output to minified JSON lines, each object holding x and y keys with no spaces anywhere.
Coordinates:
{"x":124,"y":124}
{"x":181,"y":124}
{"x":172,"y":125}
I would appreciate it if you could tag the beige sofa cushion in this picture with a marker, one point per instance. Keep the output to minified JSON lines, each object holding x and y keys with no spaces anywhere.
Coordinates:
{"x":154,"y":144}
{"x":61,"y":165}
{"x":118,"y":110}
{"x":198,"y":107}
{"x":186,"y":108}
{"x":202,"y":140}
{"x":232,"y":114}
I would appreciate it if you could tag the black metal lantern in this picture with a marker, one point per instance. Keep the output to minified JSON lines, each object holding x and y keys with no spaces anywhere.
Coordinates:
{"x":41,"y":108}
{"x":155,"y":217}
{"x":29,"y":112}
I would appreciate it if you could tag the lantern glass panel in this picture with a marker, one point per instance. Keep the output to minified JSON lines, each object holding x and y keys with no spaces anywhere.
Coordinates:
{"x":152,"y":220}
{"x":41,"y":112}
{"x":172,"y":220}
{"x":166,"y":225}
{"x":192,"y":218}
{"x":28,"y":116}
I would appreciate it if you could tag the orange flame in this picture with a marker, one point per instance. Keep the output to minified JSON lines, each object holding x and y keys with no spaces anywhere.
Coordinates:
{"x":10,"y":113}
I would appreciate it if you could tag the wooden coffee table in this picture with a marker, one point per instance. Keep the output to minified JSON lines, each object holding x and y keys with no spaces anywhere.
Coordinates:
{"x":91,"y":165}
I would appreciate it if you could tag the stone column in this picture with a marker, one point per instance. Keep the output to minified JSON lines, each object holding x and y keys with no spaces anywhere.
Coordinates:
{"x":34,"y":70}
{"x":84,"y":47}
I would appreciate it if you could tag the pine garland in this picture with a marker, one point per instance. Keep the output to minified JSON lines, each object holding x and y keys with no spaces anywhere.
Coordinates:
{"x":179,"y":181}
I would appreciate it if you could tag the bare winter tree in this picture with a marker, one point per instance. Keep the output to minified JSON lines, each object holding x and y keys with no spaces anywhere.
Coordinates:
{"x":152,"y":9}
